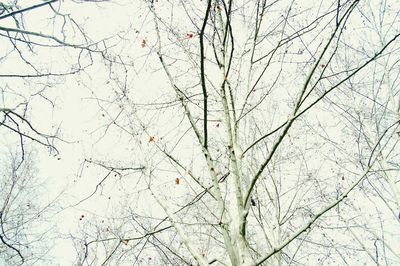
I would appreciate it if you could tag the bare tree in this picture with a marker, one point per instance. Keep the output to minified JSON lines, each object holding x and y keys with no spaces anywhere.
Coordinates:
{"x":26,"y":233}
{"x":242,"y":133}
{"x":41,"y":46}
{"x":271,"y":141}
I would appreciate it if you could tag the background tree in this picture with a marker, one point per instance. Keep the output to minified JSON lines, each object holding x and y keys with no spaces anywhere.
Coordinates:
{"x":40,"y":46}
{"x":27,"y":232}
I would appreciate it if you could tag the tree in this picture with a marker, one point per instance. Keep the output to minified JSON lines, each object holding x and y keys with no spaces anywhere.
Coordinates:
{"x":26,"y":233}
{"x":29,"y":73}
{"x":243,"y":133}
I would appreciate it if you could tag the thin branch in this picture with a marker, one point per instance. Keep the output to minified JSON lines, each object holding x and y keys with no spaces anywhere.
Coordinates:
{"x":27,"y":9}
